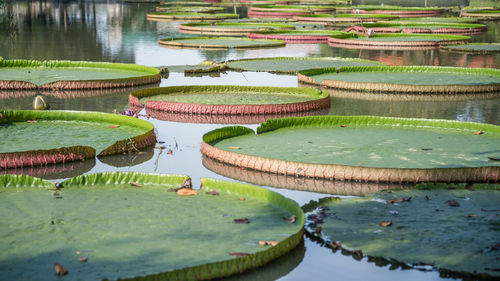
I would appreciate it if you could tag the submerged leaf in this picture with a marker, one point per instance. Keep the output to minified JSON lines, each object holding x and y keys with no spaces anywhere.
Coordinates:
{"x":241,"y":221}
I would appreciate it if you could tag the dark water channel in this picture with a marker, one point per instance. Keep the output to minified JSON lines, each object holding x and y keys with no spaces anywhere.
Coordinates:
{"x":115,"y":31}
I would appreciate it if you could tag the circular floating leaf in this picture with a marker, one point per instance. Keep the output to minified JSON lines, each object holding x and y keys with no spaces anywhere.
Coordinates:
{"x":231,"y":28}
{"x":477,"y":48}
{"x":399,"y":11}
{"x":417,"y":27}
{"x":481,"y":13}
{"x":192,"y":9}
{"x":35,"y":138}
{"x":71,"y":75}
{"x":367,"y":148}
{"x":343,"y":18}
{"x":184,"y":3}
{"x":291,"y":65}
{"x":191,"y":16}
{"x":421,"y":230}
{"x":287,"y":8}
{"x":220,"y":43}
{"x":406,"y":79}
{"x":144,"y":230}
{"x":439,"y":19}
{"x":298,"y":36}
{"x":230,"y":100}
{"x":395,"y":41}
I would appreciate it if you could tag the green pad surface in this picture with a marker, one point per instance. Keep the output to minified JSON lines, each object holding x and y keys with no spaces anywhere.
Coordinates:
{"x":43,"y":72}
{"x":293,"y":65}
{"x":474,"y":47}
{"x":410,"y":75}
{"x":426,"y":25}
{"x":127,"y":231}
{"x":56,"y":129}
{"x":222,"y":42}
{"x":370,"y":142}
{"x":426,"y":230}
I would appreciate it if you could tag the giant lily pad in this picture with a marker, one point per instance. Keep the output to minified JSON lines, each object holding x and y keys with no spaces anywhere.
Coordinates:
{"x":397,"y":10}
{"x":299,"y":36}
{"x":475,"y":48}
{"x":191,"y":16}
{"x":220,"y":43}
{"x":286,"y":8}
{"x":127,"y":226}
{"x":231,"y":28}
{"x":343,"y":18}
{"x":396,"y":41}
{"x":184,"y":3}
{"x":291,"y":65}
{"x":455,"y":231}
{"x":192,"y":9}
{"x":406,"y":79}
{"x":417,"y":27}
{"x":69,"y":75}
{"x":439,"y":19}
{"x":367,"y":148}
{"x":481,"y":13}
{"x":230,"y":100}
{"x":34,"y":138}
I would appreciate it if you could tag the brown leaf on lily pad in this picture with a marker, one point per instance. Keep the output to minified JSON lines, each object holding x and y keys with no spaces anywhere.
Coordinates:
{"x":213,"y":192}
{"x":268,"y":243}
{"x":239,"y":254}
{"x":291,"y":219}
{"x":31,"y":121}
{"x":241,"y":221}
{"x":234,"y":147}
{"x":60,"y":270}
{"x":83,"y":259}
{"x":187,"y":192}
{"x":336,"y":245}
{"x":242,"y":199}
{"x":478,"y":132}
{"x":385,"y":223}
{"x":343,"y":125}
{"x":133,"y":183}
{"x":452,"y":203}
{"x":392,"y":201}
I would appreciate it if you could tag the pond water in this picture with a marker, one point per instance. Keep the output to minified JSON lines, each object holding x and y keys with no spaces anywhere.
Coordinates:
{"x":115,"y":31}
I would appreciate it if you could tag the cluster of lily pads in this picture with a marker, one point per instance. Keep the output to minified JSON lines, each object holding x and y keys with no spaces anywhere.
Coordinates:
{"x":245,"y":226}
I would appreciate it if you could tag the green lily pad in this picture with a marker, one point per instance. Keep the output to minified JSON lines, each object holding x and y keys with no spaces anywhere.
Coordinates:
{"x":191,"y":16}
{"x":424,"y":27}
{"x":220,"y":43}
{"x":192,"y":9}
{"x":231,"y":28}
{"x":314,"y":36}
{"x":367,"y":148}
{"x":184,"y":3}
{"x":229,"y":100}
{"x":476,"y":48}
{"x":427,"y":229}
{"x":481,"y":13}
{"x":203,"y":67}
{"x":31,"y":74}
{"x":291,"y":65}
{"x":143,"y":229}
{"x":439,"y":19}
{"x":33,"y":138}
{"x":343,"y":18}
{"x":286,"y":8}
{"x":406,"y":79}
{"x":396,"y":41}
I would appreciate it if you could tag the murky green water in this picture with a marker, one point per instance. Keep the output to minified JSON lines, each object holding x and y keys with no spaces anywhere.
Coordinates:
{"x":112,"y":31}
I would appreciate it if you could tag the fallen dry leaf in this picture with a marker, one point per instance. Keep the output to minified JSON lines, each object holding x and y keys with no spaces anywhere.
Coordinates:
{"x":60,"y":270}
{"x":242,"y":198}
{"x":470,"y":216}
{"x":31,"y":121}
{"x":318,"y":230}
{"x":235,"y":147}
{"x":213,"y":192}
{"x":241,"y":221}
{"x":170,"y":152}
{"x":392,"y":201}
{"x":385,"y":223}
{"x":478,"y":132}
{"x":452,"y":203}
{"x":343,"y":126}
{"x":186,"y":192}
{"x":83,"y":259}
{"x":113,"y":126}
{"x":268,"y":243}
{"x":336,"y":245}
{"x":291,"y":219}
{"x":239,"y":254}
{"x":132,"y":183}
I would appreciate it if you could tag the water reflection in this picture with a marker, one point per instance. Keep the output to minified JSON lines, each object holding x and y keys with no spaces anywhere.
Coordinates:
{"x":54,"y":171}
{"x":128,"y":159}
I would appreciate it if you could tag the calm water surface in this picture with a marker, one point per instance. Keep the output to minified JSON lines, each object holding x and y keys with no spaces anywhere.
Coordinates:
{"x":115,"y":31}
